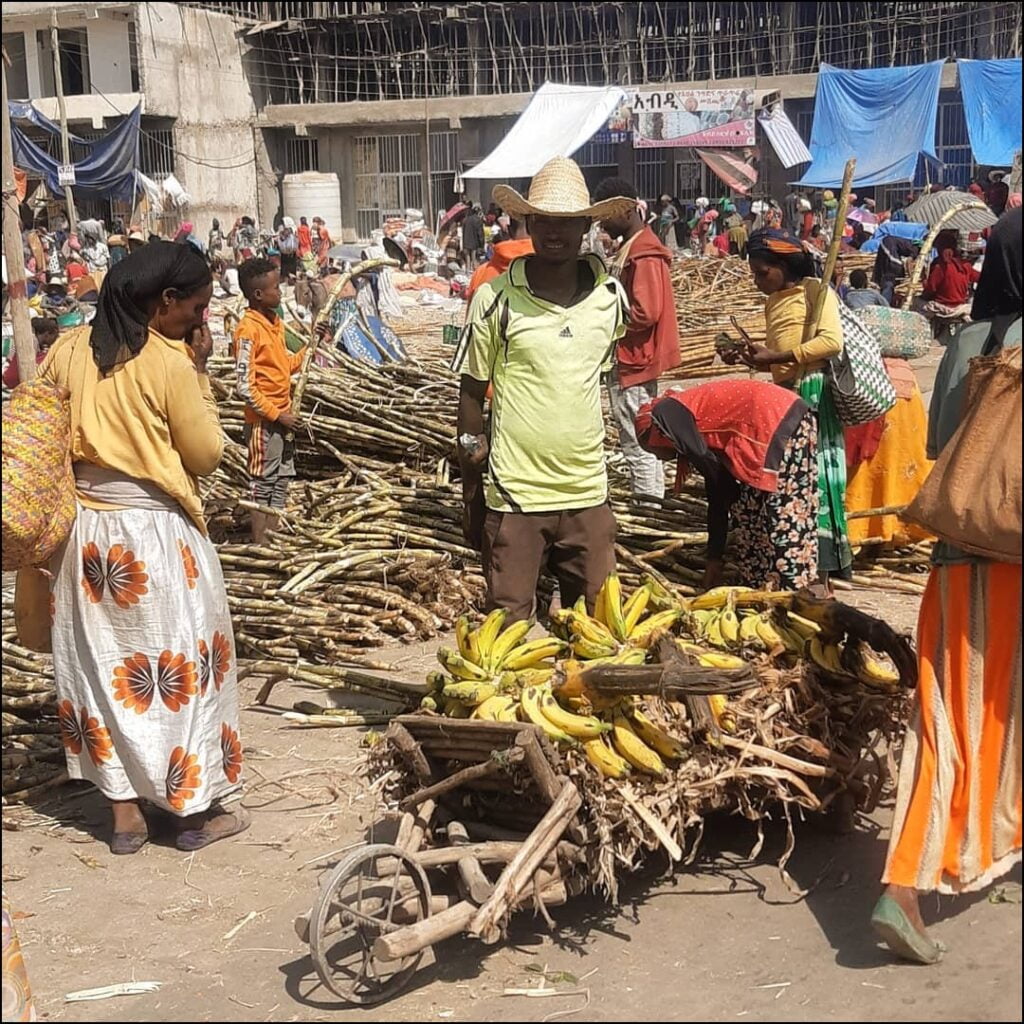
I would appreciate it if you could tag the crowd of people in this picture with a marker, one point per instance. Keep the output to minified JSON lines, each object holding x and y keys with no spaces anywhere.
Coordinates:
{"x":142,"y":639}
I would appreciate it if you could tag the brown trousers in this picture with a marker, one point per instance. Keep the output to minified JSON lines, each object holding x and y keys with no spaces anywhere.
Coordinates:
{"x":577,"y":547}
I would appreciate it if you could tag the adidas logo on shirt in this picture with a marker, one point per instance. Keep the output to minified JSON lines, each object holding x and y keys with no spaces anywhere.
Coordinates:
{"x":565,"y":332}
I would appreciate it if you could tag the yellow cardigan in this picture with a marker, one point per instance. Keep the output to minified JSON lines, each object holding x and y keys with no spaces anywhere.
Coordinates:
{"x":786,"y":313}
{"x":154,"y":418}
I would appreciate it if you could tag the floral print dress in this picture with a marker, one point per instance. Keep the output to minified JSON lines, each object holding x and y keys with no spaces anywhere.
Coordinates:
{"x":775,"y":535}
{"x":144,"y":659}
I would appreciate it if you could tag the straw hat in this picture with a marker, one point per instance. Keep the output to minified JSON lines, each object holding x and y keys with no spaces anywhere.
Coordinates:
{"x":559,"y":190}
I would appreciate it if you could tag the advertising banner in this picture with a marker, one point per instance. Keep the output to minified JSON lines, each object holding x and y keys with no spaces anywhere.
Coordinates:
{"x":693,"y":117}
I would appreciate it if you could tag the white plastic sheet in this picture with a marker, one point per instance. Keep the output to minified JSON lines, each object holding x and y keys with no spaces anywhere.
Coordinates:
{"x":558,"y":120}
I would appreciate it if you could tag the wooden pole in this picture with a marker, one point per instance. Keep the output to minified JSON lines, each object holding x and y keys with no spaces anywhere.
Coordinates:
{"x":24,"y":339}
{"x":65,"y":142}
{"x":833,"y":251}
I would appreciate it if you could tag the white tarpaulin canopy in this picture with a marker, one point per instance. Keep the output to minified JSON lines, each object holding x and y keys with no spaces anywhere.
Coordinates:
{"x":558,"y":120}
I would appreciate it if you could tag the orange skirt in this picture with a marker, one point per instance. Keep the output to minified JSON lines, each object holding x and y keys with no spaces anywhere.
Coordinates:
{"x":891,"y":477}
{"x":957,"y":824}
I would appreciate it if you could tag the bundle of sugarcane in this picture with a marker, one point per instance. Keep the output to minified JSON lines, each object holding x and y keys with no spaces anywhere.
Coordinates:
{"x":33,"y":758}
{"x":708,"y":293}
{"x":400,"y":412}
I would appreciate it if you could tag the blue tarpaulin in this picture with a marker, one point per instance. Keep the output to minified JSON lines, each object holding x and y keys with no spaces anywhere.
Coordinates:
{"x":898,"y":228}
{"x":108,"y":170}
{"x":991,"y":90}
{"x":884,"y":117}
{"x":22,"y":111}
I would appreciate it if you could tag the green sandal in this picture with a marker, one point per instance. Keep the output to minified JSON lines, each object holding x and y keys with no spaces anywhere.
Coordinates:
{"x":893,"y":927}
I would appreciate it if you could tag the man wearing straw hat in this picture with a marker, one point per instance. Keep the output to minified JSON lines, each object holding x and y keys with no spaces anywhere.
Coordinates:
{"x":535,"y":491}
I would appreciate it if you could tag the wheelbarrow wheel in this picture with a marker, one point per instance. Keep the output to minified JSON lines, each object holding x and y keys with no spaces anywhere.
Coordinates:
{"x":374,"y":890}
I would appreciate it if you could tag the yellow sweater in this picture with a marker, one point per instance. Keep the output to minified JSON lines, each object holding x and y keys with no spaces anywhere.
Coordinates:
{"x":154,"y":418}
{"x":786,"y":313}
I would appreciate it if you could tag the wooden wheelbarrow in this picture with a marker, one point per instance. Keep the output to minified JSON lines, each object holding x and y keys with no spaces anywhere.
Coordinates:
{"x":450,"y":870}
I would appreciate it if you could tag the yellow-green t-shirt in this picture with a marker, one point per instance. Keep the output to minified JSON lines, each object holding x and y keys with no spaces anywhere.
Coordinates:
{"x":544,"y":362}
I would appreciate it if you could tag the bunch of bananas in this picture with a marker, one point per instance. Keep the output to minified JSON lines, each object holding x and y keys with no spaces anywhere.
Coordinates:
{"x":616,"y":623}
{"x":492,"y":659}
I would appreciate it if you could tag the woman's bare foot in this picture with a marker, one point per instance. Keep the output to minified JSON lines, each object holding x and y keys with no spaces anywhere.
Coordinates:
{"x":128,"y":817}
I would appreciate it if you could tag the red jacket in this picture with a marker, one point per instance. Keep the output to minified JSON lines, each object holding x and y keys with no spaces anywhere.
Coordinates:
{"x":651,"y":343}
{"x":949,"y":281}
{"x":747,"y":422}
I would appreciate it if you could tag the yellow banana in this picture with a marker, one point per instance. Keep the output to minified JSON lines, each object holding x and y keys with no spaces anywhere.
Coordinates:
{"x":632,"y":748}
{"x":748,"y":630}
{"x":492,"y":709}
{"x":655,"y":736}
{"x":587,"y":650}
{"x":711,"y":659}
{"x":772,"y":639}
{"x":613,"y":607}
{"x":801,"y":626}
{"x":825,"y":656}
{"x":699,"y":621}
{"x":723,"y":715}
{"x":462,"y":631}
{"x":633,"y":610}
{"x":600,"y":605}
{"x":646,"y":632}
{"x":540,"y":676}
{"x":590,"y":629}
{"x":529,"y":702}
{"x":455,"y":709}
{"x":581,"y":727}
{"x":580,"y":605}
{"x":489,"y":630}
{"x":728,"y":622}
{"x":605,"y":760}
{"x":510,"y":639}
{"x":717,"y":597}
{"x":629,"y":656}
{"x":473,"y":645}
{"x":713,"y":632}
{"x":533,"y":652}
{"x":869,"y":670}
{"x":459,"y":666}
{"x":436,"y":681}
{"x":429,"y":703}
{"x":469,"y":691}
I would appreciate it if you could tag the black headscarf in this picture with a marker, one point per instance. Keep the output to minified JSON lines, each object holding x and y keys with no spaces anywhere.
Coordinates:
{"x":998,"y":291}
{"x":121,"y":324}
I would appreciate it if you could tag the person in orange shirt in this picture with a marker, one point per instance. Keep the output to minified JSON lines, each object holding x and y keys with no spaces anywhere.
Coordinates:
{"x":265,"y":367}
{"x":518,"y":244}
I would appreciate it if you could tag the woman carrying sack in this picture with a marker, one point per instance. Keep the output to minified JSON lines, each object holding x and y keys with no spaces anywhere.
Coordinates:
{"x":143,"y":651}
{"x":784,"y":271}
{"x":958,"y":807}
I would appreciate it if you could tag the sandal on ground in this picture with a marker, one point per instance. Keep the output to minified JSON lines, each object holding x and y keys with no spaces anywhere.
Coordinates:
{"x":895,"y":929}
{"x":196,"y":838}
{"x":124,"y":843}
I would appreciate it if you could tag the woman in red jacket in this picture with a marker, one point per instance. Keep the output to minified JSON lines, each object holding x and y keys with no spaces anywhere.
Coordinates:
{"x":755,"y":444}
{"x":947,"y":292}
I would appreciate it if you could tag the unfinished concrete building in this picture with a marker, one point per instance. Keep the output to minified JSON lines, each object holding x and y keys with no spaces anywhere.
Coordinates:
{"x":397,"y":98}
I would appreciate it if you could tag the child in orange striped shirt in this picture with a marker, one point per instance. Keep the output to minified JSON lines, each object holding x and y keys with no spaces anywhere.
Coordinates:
{"x":265,"y":368}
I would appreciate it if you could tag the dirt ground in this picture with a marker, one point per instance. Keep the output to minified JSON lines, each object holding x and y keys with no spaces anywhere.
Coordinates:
{"x":719,"y":941}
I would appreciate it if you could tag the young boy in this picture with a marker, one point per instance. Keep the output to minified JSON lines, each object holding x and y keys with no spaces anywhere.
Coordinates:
{"x":265,"y":367}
